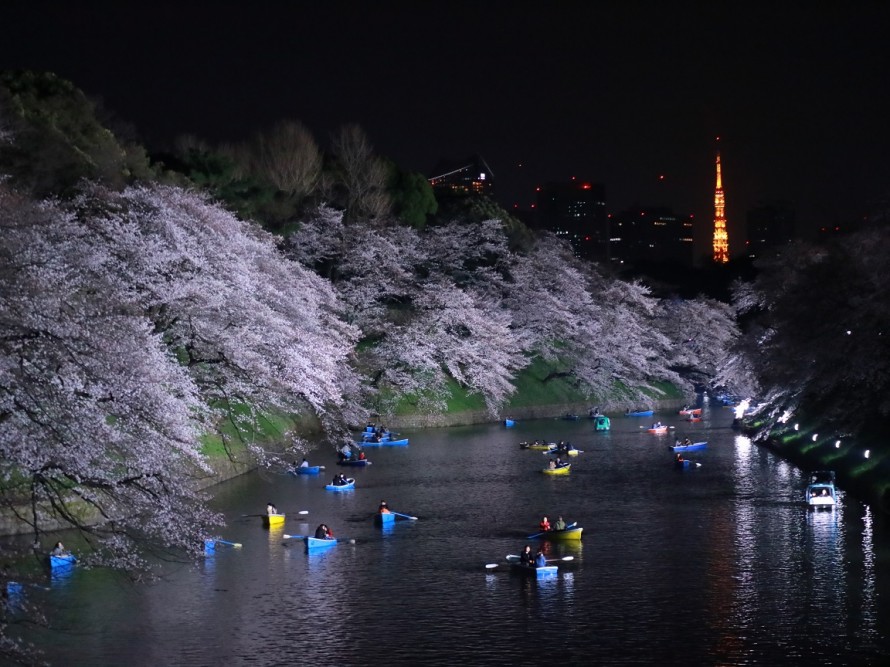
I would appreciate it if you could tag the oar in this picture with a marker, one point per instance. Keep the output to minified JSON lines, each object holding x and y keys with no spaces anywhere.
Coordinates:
{"x":407,"y":516}
{"x":555,"y":560}
{"x":237,"y":545}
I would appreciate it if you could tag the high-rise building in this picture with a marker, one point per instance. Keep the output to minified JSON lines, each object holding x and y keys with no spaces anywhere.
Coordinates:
{"x":653,"y":235}
{"x":465,"y":177}
{"x":770,"y":226}
{"x":575,"y":210}
{"x":721,"y":237}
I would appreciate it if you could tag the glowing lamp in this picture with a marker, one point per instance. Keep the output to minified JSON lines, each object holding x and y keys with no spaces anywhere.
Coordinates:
{"x":837,"y":444}
{"x":867,"y":453}
{"x":797,"y":427}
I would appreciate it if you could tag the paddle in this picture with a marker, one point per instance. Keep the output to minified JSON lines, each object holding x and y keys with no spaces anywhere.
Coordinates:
{"x":407,"y":516}
{"x":237,"y":545}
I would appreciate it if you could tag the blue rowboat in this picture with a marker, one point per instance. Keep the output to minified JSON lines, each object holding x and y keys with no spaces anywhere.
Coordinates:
{"x":509,"y":422}
{"x":546,"y":572}
{"x":350,"y":484}
{"x":685,"y":463}
{"x":385,"y":519}
{"x":65,"y":560}
{"x":314,"y":544}
{"x":688,"y":448}
{"x":354,"y":462}
{"x":307,"y":470}
{"x":384,"y":443}
{"x":639,"y":413}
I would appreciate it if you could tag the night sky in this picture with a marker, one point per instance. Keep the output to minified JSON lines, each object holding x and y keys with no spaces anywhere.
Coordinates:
{"x":628,"y":94}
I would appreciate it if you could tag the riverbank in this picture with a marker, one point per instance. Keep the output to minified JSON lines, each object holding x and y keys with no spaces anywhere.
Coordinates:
{"x":861,"y":466}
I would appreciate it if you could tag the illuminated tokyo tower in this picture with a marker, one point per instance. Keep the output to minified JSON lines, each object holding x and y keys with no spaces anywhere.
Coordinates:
{"x":721,"y":238}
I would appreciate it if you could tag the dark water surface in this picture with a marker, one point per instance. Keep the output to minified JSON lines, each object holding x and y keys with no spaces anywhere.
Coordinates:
{"x":717,"y":565}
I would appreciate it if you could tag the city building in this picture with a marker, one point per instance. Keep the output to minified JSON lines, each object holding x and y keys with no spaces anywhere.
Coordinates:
{"x":465,"y":177}
{"x":770,"y":226}
{"x":575,"y":210}
{"x":653,"y":235}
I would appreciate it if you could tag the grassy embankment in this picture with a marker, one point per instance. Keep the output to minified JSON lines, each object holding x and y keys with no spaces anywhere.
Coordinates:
{"x":541,"y":391}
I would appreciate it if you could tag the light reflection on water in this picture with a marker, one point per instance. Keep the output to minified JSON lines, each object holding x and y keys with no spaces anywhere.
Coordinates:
{"x":721,"y":564}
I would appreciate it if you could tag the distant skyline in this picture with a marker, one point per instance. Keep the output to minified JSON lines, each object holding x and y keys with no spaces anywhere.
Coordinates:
{"x":627,"y":94}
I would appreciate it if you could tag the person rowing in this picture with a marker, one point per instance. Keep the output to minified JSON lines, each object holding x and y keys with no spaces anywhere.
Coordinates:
{"x":383,"y":508}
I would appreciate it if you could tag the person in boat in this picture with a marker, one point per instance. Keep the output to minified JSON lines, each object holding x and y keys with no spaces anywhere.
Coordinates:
{"x":384,"y":508}
{"x":540,"y":559}
{"x":361,"y":456}
{"x":304,"y":463}
{"x":323,"y":532}
{"x":544,"y":526}
{"x":687,"y":442}
{"x":677,"y":443}
{"x":559,"y":524}
{"x":594,"y":412}
{"x":680,"y":458}
{"x":339,"y":480}
{"x":552,"y":465}
{"x":58,"y":550}
{"x":526,"y":557}
{"x":560,"y":463}
{"x":271,"y":509}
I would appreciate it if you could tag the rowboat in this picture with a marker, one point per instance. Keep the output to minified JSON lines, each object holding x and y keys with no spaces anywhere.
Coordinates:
{"x":307,"y":470}
{"x":690,"y":411}
{"x":538,"y":447}
{"x":273,"y":520}
{"x":571,"y":418}
{"x":384,"y":443}
{"x":313,"y":543}
{"x":659,"y":430}
{"x":567,"y":535}
{"x":821,"y":491}
{"x":564,"y":452}
{"x":350,"y":484}
{"x":386,"y":518}
{"x":688,"y":448}
{"x":509,"y":422}
{"x":561,"y":470}
{"x":546,"y":572}
{"x":65,"y":560}
{"x":601,"y":423}
{"x":639,"y":413}
{"x":354,"y":462}
{"x":693,"y":419}
{"x":683,"y":463}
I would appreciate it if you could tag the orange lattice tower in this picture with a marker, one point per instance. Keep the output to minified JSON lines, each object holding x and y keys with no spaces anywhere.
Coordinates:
{"x":721,"y":237}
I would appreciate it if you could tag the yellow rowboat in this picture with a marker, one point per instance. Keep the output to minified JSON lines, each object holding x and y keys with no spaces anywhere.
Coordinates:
{"x":273,"y":520}
{"x":562,"y":470}
{"x":538,"y":447}
{"x":567,"y":535}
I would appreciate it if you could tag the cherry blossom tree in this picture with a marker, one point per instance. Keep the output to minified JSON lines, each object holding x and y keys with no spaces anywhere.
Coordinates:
{"x":130,"y":321}
{"x":815,"y":323}
{"x":98,"y":422}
